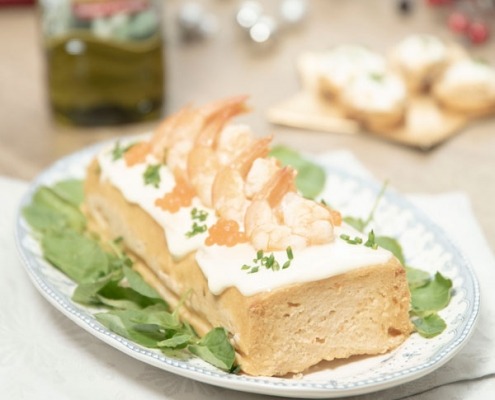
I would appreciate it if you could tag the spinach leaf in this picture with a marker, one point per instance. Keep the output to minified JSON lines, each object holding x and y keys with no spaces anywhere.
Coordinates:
{"x":310,"y":178}
{"x":416,"y":277}
{"x":432,"y":297}
{"x":70,"y":190}
{"x":78,"y":256}
{"x":429,"y":326}
{"x":391,"y":245}
{"x":216,"y":349}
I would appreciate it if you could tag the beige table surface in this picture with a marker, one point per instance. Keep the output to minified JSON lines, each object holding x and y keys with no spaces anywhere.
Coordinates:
{"x":226,"y":64}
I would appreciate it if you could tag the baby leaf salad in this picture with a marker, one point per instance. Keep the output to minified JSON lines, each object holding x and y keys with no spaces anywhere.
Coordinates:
{"x":105,"y":279}
{"x":130,"y":307}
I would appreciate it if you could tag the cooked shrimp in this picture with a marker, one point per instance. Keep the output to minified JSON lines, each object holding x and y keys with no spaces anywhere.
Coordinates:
{"x":279,"y":217}
{"x":233,"y":140}
{"x":188,"y":138}
{"x":228,"y":194}
{"x":173,"y":138}
{"x":260,"y":173}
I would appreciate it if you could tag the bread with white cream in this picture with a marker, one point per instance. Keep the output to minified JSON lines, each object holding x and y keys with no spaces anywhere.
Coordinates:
{"x":467,"y":86}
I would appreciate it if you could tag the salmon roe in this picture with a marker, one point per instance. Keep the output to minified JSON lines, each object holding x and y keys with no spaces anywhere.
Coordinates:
{"x":180,"y":196}
{"x":225,"y":232}
{"x":137,"y":153}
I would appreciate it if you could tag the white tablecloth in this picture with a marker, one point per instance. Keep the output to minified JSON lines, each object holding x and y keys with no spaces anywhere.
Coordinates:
{"x":44,"y":355}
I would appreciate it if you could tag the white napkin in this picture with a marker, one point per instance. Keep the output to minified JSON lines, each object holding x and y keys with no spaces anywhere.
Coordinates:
{"x":45,"y":355}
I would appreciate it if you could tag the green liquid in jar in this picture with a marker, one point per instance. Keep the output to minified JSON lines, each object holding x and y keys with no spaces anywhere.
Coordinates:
{"x":94,"y":81}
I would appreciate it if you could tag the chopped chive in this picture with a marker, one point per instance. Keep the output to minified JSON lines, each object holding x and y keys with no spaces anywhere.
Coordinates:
{"x":290,"y":255}
{"x":152,"y":175}
{"x":118,"y":151}
{"x":197,"y":215}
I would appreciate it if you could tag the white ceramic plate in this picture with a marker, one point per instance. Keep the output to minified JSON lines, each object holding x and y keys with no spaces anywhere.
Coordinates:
{"x":425,"y":247}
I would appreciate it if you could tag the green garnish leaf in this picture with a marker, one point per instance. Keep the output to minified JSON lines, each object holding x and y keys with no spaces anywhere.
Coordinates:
{"x":71,"y":191}
{"x":215,"y":349}
{"x":416,"y":277}
{"x":118,"y":150}
{"x":122,"y":323}
{"x":391,"y":245}
{"x":177,"y":341}
{"x":433,"y":296}
{"x":430,"y":325}
{"x":87,"y":293}
{"x":310,"y":178}
{"x":290,"y":254}
{"x":361,"y":224}
{"x":78,"y":256}
{"x":371,"y":240}
{"x":357,"y":223}
{"x":197,"y":216}
{"x":377,"y":77}
{"x":269,"y":262}
{"x":138,"y":284}
{"x":48,"y":211}
{"x":152,"y":175}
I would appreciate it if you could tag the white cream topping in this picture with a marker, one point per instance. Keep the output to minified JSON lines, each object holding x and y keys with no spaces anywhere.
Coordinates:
{"x":130,"y":182}
{"x":418,"y":51}
{"x":467,"y":72}
{"x":375,"y":92}
{"x":345,"y":62}
{"x":221,"y":265}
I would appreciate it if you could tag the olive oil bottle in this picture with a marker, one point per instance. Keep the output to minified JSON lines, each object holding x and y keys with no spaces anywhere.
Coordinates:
{"x":104,"y":60}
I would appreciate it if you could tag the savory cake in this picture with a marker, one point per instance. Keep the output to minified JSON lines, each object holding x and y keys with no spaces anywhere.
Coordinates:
{"x":210,"y":218}
{"x":420,"y":59}
{"x":340,"y":65}
{"x":467,"y":86}
{"x":377,"y":100}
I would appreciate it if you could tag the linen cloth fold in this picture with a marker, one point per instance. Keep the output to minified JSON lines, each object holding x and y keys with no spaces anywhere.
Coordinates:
{"x":45,"y":355}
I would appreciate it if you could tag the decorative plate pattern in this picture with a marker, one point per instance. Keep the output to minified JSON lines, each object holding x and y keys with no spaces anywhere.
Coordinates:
{"x":424,"y":244}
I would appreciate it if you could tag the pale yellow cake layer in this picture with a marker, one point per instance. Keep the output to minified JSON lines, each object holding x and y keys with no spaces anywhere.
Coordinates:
{"x":287,"y":330}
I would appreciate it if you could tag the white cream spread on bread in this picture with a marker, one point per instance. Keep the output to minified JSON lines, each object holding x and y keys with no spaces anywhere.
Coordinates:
{"x":222,"y":265}
{"x":469,"y":72}
{"x":129,"y":180}
{"x":344,"y":62}
{"x":375,"y":92}
{"x":418,"y":51}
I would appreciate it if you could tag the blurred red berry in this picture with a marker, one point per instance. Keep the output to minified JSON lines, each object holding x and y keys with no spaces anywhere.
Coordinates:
{"x":477,"y":32}
{"x":435,"y":3}
{"x":458,"y":22}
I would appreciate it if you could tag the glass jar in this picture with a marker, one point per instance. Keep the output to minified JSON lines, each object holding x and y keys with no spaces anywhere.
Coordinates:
{"x":104,"y":60}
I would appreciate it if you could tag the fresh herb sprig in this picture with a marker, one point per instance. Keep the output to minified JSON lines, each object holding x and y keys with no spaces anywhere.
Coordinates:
{"x":128,"y":305}
{"x":151,"y":175}
{"x":198,"y":217}
{"x":371,"y":242}
{"x":268,"y":262}
{"x":118,"y":150}
{"x":429,"y":295}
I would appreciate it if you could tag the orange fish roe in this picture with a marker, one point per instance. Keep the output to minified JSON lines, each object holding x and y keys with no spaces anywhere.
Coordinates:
{"x":225,"y":233}
{"x":180,"y":196}
{"x":137,"y":153}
